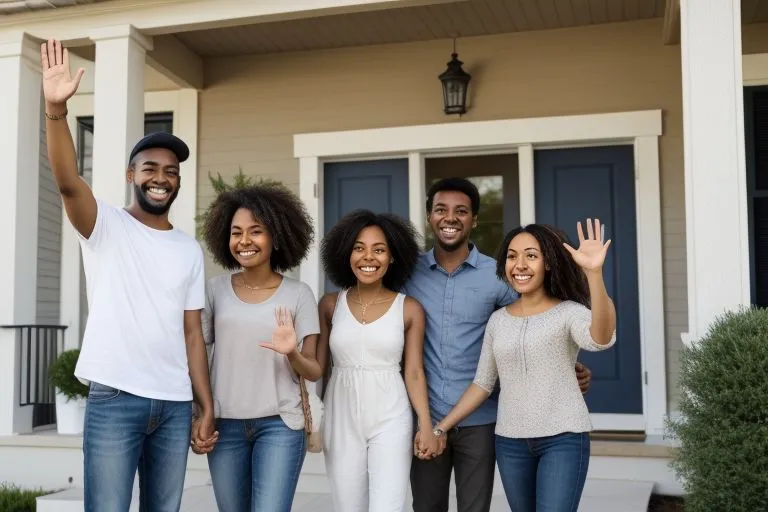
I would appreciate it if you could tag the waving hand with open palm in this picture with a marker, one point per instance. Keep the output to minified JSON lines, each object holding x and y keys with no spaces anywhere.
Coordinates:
{"x":58,"y":83}
{"x":284,"y":339}
{"x":591,"y":253}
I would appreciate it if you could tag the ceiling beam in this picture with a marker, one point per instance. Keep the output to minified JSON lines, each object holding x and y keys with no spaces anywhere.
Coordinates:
{"x":671,"y":30}
{"x":178,"y":63}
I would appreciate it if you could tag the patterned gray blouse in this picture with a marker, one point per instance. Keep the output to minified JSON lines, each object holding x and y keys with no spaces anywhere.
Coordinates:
{"x":534,"y":358}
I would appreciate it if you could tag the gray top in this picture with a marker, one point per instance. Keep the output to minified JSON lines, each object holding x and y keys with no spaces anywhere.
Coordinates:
{"x":250,"y":381}
{"x":534,"y":359}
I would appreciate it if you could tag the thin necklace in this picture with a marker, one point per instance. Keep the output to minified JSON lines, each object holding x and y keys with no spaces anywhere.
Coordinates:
{"x":255,"y":288}
{"x":364,"y":306}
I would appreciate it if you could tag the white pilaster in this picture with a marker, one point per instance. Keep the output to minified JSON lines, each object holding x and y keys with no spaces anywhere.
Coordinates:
{"x":20,"y":146}
{"x":184,"y":209}
{"x":310,"y":192}
{"x":417,"y":193}
{"x":118,"y":105}
{"x":715,"y":172}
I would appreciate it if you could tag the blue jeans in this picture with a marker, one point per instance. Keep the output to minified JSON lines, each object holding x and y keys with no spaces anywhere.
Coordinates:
{"x":255,"y":465}
{"x":125,"y":432}
{"x":543,"y":474}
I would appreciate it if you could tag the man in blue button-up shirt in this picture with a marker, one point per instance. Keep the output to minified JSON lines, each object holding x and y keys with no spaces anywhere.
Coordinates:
{"x":458,"y":288}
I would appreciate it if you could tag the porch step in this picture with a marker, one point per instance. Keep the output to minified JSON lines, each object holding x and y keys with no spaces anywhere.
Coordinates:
{"x":599,"y":496}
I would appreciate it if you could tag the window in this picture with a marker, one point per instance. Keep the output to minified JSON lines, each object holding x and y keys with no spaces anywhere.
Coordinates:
{"x":756,"y":143}
{"x":496,"y":178}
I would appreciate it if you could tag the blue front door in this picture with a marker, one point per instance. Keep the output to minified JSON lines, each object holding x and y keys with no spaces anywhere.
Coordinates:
{"x":573,"y":185}
{"x":377,"y":185}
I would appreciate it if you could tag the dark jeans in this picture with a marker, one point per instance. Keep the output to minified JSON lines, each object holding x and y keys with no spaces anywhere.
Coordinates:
{"x":544,"y":474}
{"x":470,"y":452}
{"x":124,"y":432}
{"x":255,"y":465}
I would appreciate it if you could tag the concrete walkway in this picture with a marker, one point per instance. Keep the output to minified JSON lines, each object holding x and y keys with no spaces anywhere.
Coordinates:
{"x":599,"y":496}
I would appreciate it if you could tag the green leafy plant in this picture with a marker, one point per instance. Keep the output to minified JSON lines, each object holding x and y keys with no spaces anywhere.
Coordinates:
{"x":723,"y":428}
{"x":239,"y":181}
{"x":16,"y":499}
{"x":62,"y":375}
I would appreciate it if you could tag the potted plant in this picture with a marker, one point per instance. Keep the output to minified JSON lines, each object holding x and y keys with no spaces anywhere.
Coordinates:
{"x":723,"y":425}
{"x":70,"y":393}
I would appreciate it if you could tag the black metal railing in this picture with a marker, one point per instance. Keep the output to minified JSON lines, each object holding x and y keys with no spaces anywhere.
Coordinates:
{"x":38,"y":347}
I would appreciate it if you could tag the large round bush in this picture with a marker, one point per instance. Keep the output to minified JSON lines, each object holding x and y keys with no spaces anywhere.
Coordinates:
{"x":723,"y":429}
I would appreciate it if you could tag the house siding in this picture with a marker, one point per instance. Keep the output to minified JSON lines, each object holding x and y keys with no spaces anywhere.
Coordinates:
{"x":48,"y":241}
{"x":253,"y":105}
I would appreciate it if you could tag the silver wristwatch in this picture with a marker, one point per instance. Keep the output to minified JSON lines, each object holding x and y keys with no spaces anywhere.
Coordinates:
{"x":437,"y":432}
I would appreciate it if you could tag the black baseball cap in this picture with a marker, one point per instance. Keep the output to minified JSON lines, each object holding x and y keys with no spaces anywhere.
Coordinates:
{"x":161,"y":140}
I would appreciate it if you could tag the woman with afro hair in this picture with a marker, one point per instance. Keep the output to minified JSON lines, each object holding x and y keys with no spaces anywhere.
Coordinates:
{"x":261,"y":330}
{"x":530,"y":347}
{"x":369,"y":328}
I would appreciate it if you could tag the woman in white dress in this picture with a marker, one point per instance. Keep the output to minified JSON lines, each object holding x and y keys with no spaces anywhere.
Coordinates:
{"x":369,"y":328}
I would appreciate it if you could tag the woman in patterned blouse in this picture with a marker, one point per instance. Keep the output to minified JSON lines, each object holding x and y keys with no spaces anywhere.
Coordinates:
{"x":530,"y":346}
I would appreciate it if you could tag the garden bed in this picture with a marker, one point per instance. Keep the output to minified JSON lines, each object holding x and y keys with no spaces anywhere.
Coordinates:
{"x":661,"y":503}
{"x":16,"y":499}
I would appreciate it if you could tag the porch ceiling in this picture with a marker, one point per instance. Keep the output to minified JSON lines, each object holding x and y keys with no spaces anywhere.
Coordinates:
{"x":754,"y":11}
{"x":458,"y":19}
{"x":16,"y":6}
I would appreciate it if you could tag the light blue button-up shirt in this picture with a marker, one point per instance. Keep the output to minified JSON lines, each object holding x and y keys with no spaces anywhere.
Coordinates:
{"x":457,"y":306}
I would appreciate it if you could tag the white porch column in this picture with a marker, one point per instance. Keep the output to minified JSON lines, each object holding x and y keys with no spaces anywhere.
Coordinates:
{"x":20,"y":103}
{"x":118,"y":107}
{"x":715,"y":171}
{"x":184,"y":209}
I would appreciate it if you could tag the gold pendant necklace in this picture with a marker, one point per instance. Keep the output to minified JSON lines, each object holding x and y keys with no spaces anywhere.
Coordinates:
{"x":363,"y":306}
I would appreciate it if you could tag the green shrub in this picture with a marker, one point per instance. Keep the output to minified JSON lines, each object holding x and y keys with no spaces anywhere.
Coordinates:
{"x":219,"y":185}
{"x":62,"y":375}
{"x":15,"y":499}
{"x":723,"y":430}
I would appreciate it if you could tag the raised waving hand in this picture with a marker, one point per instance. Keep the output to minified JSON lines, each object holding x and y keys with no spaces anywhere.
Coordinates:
{"x":592,"y":249}
{"x":58,"y":83}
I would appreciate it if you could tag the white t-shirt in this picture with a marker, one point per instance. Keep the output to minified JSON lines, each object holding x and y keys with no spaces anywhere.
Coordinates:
{"x":140,"y":281}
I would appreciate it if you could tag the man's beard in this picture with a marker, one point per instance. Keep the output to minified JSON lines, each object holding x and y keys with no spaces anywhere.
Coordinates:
{"x":148,"y":206}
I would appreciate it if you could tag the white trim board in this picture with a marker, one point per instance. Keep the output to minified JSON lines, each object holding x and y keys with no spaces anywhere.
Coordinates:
{"x":755,"y":69}
{"x":183,"y":104}
{"x":641,"y":129}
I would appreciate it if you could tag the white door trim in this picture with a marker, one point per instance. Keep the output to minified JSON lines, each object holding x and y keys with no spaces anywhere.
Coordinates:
{"x":183,"y":104}
{"x":641,"y":129}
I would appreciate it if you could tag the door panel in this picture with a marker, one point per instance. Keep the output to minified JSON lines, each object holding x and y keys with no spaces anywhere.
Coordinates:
{"x":573,"y":185}
{"x":377,"y":185}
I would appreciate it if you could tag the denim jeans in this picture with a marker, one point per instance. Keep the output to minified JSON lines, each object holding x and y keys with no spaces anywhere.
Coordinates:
{"x":255,"y":465}
{"x":125,"y":432}
{"x":543,"y":474}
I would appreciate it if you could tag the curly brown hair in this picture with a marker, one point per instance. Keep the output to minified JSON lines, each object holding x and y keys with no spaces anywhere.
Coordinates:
{"x":281,"y":212}
{"x":564,"y":280}
{"x":401,"y":238}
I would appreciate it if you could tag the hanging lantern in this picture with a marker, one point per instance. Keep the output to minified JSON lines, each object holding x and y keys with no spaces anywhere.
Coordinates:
{"x":455,"y":82}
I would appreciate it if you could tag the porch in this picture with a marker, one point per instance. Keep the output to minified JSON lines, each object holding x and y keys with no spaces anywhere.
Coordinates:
{"x":296,"y":94}
{"x":622,"y":475}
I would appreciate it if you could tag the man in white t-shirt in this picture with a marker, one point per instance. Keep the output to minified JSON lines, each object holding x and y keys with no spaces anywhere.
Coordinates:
{"x":143,"y":354}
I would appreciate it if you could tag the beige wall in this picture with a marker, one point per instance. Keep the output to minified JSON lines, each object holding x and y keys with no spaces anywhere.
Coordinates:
{"x":252,"y":106}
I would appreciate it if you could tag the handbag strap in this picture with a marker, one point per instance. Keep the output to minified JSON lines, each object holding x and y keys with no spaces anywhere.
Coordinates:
{"x":305,"y":405}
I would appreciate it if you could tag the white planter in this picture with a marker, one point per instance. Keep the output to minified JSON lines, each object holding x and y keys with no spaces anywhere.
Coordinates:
{"x":70,"y":415}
